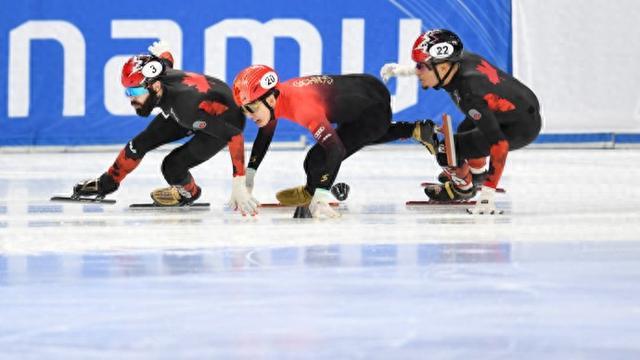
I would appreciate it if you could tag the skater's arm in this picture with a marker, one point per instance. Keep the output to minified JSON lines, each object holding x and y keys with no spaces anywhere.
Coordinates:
{"x":236,"y":150}
{"x":261,"y":144}
{"x":217,"y":120}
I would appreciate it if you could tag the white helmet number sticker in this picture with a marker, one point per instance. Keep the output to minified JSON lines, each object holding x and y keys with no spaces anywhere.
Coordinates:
{"x":441,"y":50}
{"x":269,"y":80}
{"x":152,"y":69}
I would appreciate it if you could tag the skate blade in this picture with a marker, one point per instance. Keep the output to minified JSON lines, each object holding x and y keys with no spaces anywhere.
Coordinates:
{"x":425,"y":184}
{"x":439,"y":203}
{"x":278,"y":205}
{"x":199,"y":206}
{"x":92,"y":200}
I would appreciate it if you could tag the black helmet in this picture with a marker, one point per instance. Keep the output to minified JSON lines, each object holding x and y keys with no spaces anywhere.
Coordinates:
{"x":436,"y":46}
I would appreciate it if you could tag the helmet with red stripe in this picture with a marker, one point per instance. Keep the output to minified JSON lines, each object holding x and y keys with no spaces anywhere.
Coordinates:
{"x":139,"y":70}
{"x":436,"y":46}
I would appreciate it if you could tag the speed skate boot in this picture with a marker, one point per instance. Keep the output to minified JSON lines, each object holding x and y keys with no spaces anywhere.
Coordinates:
{"x":296,"y":196}
{"x":477,"y":178}
{"x":88,"y":187}
{"x":449,"y":192}
{"x":458,"y":188}
{"x":175,"y":195}
{"x":425,"y":132}
{"x":98,"y":187}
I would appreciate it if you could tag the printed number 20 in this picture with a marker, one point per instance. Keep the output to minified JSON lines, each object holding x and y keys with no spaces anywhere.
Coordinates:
{"x":270,"y":79}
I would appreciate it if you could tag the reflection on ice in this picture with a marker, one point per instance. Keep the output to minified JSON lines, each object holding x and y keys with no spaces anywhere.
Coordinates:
{"x":210,"y":261}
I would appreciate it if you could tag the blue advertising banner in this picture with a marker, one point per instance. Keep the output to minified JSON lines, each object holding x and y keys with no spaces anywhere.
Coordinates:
{"x":62,"y":59}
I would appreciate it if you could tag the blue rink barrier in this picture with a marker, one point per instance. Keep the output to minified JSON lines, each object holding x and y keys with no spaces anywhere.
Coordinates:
{"x":592,"y":140}
{"x":575,"y":138}
{"x":627,"y":138}
{"x":62,"y":58}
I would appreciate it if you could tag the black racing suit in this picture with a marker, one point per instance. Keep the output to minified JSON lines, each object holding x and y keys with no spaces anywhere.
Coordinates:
{"x":191,"y":104}
{"x":501,"y":114}
{"x":358,"y":104}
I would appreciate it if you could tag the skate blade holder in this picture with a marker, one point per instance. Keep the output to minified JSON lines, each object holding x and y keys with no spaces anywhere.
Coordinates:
{"x":81,"y":199}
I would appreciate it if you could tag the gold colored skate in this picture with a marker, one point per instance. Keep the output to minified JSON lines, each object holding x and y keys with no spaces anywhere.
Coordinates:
{"x":296,"y":196}
{"x":169,"y":196}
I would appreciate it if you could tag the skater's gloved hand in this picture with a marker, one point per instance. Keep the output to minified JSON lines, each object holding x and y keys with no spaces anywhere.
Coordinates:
{"x":320,"y":207}
{"x":250,"y":174}
{"x":390,"y":70}
{"x":159,"y":47}
{"x":485,"y":205}
{"x":241,"y":199}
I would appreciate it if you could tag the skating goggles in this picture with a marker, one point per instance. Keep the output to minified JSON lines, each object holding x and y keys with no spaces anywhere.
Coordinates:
{"x":135,"y":91}
{"x":422,"y":65}
{"x":251,"y":107}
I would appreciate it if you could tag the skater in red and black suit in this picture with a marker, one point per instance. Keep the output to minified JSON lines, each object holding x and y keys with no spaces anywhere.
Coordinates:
{"x":501,"y":115}
{"x":358,"y":104}
{"x":191,"y":104}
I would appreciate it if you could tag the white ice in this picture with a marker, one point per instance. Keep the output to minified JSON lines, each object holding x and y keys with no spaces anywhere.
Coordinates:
{"x":556,"y":276}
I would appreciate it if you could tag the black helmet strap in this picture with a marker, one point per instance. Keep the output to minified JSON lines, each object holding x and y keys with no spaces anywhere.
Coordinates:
{"x":442,"y":79}
{"x":264,"y":97}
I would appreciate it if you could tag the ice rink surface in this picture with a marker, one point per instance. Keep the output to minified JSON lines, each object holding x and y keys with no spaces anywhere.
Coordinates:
{"x":556,"y":277}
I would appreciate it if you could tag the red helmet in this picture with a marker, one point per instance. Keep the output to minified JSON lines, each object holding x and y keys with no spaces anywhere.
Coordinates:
{"x":438,"y":45}
{"x":252,"y":83}
{"x":138,"y":70}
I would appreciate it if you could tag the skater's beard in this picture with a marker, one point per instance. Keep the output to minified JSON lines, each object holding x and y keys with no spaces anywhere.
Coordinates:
{"x":148,"y":105}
